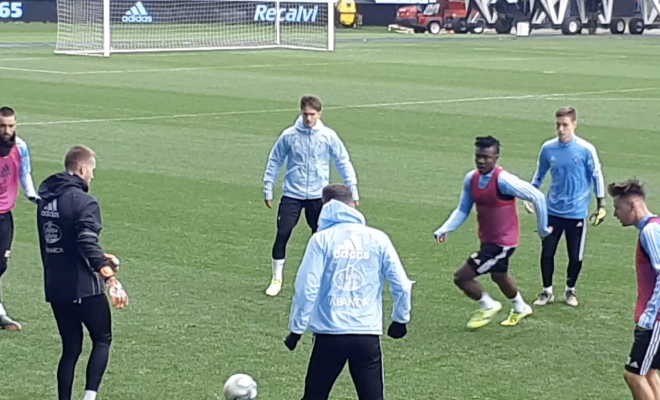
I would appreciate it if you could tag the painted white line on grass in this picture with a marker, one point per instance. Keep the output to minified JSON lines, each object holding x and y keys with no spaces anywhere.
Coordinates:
{"x":182,"y":69}
{"x":24,"y":59}
{"x":548,"y":96}
{"x":596,"y":99}
{"x":134,"y":71}
{"x":205,"y":68}
{"x":40,"y":71}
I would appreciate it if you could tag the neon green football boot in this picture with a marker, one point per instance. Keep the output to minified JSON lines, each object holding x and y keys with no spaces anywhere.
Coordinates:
{"x":482,"y":316}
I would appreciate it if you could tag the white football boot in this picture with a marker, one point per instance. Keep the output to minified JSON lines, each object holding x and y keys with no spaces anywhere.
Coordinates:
{"x":274,"y":288}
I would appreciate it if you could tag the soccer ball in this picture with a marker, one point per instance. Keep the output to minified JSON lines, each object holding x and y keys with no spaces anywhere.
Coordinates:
{"x":240,"y":387}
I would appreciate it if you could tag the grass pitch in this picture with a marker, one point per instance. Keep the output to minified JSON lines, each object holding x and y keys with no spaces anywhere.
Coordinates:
{"x":183,"y":139}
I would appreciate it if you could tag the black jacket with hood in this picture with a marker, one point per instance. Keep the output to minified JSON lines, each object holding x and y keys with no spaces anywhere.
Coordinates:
{"x":69,"y":224}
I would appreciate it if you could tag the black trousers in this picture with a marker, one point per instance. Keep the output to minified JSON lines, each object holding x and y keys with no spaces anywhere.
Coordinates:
{"x":575,"y":231}
{"x":93,"y":313}
{"x":288,"y":215}
{"x":6,"y":238}
{"x":330,"y":354}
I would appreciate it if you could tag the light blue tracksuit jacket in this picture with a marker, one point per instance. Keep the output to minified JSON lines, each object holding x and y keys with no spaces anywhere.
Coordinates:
{"x":307,"y":152}
{"x":339,"y":286}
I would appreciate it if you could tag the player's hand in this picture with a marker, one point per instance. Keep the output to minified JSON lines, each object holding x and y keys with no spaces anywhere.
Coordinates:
{"x":397,"y":330}
{"x":269,"y":203}
{"x":117,"y":293}
{"x":440,"y":238}
{"x":598,"y":216}
{"x":646,"y":321}
{"x":529,"y":207}
{"x":546,"y":232}
{"x":34,"y":200}
{"x":292,"y":340}
{"x":113,"y":261}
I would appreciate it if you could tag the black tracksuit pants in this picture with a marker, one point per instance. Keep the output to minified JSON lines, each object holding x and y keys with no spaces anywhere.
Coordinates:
{"x":575,"y":231}
{"x":93,"y":313}
{"x":288,"y":215}
{"x":330,"y":354}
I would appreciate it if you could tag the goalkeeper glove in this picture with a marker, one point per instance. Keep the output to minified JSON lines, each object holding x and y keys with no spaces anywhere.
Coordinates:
{"x":397,"y":330}
{"x":599,"y":215}
{"x":116,"y":290}
{"x":291,"y":340}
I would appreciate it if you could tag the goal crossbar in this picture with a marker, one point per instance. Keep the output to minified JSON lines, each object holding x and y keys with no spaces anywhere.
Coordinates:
{"x":104,"y":27}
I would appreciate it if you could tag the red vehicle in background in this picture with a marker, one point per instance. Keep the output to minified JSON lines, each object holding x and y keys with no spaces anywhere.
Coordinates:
{"x":434,"y":17}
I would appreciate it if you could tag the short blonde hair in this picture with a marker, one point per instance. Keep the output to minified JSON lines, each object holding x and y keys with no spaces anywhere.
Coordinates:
{"x":77,"y":155}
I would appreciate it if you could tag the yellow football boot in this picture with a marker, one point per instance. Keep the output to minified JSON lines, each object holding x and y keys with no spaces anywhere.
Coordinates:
{"x":482,"y":317}
{"x":515,"y":317}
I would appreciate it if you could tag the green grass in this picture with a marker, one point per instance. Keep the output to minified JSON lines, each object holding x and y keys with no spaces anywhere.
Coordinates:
{"x":182,"y":204}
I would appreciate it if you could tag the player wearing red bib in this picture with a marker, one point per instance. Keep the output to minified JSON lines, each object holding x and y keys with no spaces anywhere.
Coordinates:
{"x":494,"y":191}
{"x":641,"y":370}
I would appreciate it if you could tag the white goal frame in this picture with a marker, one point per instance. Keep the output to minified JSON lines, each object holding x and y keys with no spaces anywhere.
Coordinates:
{"x":64,"y":43}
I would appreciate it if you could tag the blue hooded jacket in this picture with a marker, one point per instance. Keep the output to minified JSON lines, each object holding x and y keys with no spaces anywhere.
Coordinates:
{"x":307,"y":152}
{"x":341,"y":279}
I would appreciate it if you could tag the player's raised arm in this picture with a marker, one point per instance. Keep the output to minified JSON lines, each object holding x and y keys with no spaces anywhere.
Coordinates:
{"x":650,"y":240}
{"x":462,"y":211}
{"x":344,"y":166}
{"x":308,"y":282}
{"x":400,"y":285}
{"x":512,"y":185}
{"x":275,"y":161}
{"x":26,"y":171}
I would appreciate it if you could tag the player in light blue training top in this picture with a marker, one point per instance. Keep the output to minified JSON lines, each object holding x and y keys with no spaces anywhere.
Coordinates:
{"x":575,"y":170}
{"x":338,"y":298}
{"x":305,"y":149}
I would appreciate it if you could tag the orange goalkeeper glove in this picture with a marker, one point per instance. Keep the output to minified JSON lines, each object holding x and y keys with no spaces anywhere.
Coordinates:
{"x":116,"y":290}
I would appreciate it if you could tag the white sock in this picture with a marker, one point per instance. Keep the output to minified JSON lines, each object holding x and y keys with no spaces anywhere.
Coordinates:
{"x":89,"y":395}
{"x":486,"y":301}
{"x":548,"y":290}
{"x":2,"y":310}
{"x":572,"y":289}
{"x":518,"y":303}
{"x":278,"y":268}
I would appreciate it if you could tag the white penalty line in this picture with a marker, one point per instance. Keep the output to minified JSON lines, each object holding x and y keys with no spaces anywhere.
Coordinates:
{"x":604,"y":98}
{"x":40,"y":71}
{"x":550,"y":96}
{"x":24,"y":59}
{"x":133,"y":71}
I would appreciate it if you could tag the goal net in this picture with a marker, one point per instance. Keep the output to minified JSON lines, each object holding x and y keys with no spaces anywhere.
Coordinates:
{"x":102,"y":27}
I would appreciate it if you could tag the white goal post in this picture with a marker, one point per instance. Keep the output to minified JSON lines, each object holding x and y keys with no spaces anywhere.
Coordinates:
{"x":103,"y":27}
